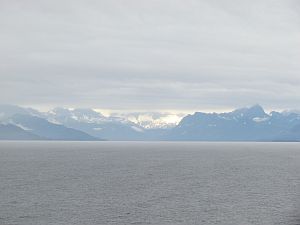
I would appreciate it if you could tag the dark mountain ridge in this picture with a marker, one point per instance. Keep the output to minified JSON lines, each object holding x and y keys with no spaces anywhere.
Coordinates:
{"x":246,"y":124}
{"x":50,"y":131}
{"x":12,"y":132}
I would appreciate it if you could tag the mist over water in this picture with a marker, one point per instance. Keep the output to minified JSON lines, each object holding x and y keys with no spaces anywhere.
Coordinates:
{"x":88,"y":183}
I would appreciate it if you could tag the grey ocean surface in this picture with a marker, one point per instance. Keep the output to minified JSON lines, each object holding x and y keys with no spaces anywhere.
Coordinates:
{"x":90,"y":183}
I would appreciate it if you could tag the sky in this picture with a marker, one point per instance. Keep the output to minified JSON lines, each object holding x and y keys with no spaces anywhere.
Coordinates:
{"x":154,"y":55}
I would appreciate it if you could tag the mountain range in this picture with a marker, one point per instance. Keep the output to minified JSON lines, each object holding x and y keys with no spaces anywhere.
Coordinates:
{"x":244,"y":124}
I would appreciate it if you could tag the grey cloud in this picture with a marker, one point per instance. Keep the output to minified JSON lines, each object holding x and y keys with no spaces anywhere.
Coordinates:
{"x":151,"y":55}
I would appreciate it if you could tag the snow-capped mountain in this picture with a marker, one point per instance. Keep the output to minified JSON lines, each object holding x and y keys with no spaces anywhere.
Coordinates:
{"x":63,"y":115}
{"x":152,"y":120}
{"x":6,"y":111}
{"x":29,"y":124}
{"x":245,"y":124}
{"x":97,"y":125}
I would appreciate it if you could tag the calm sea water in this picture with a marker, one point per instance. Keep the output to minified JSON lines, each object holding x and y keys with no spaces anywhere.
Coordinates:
{"x":82,"y":183}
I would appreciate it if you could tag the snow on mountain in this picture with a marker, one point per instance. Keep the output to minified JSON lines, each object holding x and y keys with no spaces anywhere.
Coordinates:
{"x":96,"y":124}
{"x":245,"y":124}
{"x":152,"y":120}
{"x":6,"y":111}
{"x":61,"y":115}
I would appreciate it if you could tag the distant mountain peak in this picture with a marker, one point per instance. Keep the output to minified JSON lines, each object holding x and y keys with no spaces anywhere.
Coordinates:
{"x":252,"y":111}
{"x":257,"y":107}
{"x":59,"y":110}
{"x":7,"y":111}
{"x":88,"y":112}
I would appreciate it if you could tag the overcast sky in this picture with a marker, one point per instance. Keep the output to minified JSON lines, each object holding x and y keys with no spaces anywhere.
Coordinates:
{"x":150,"y":54}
